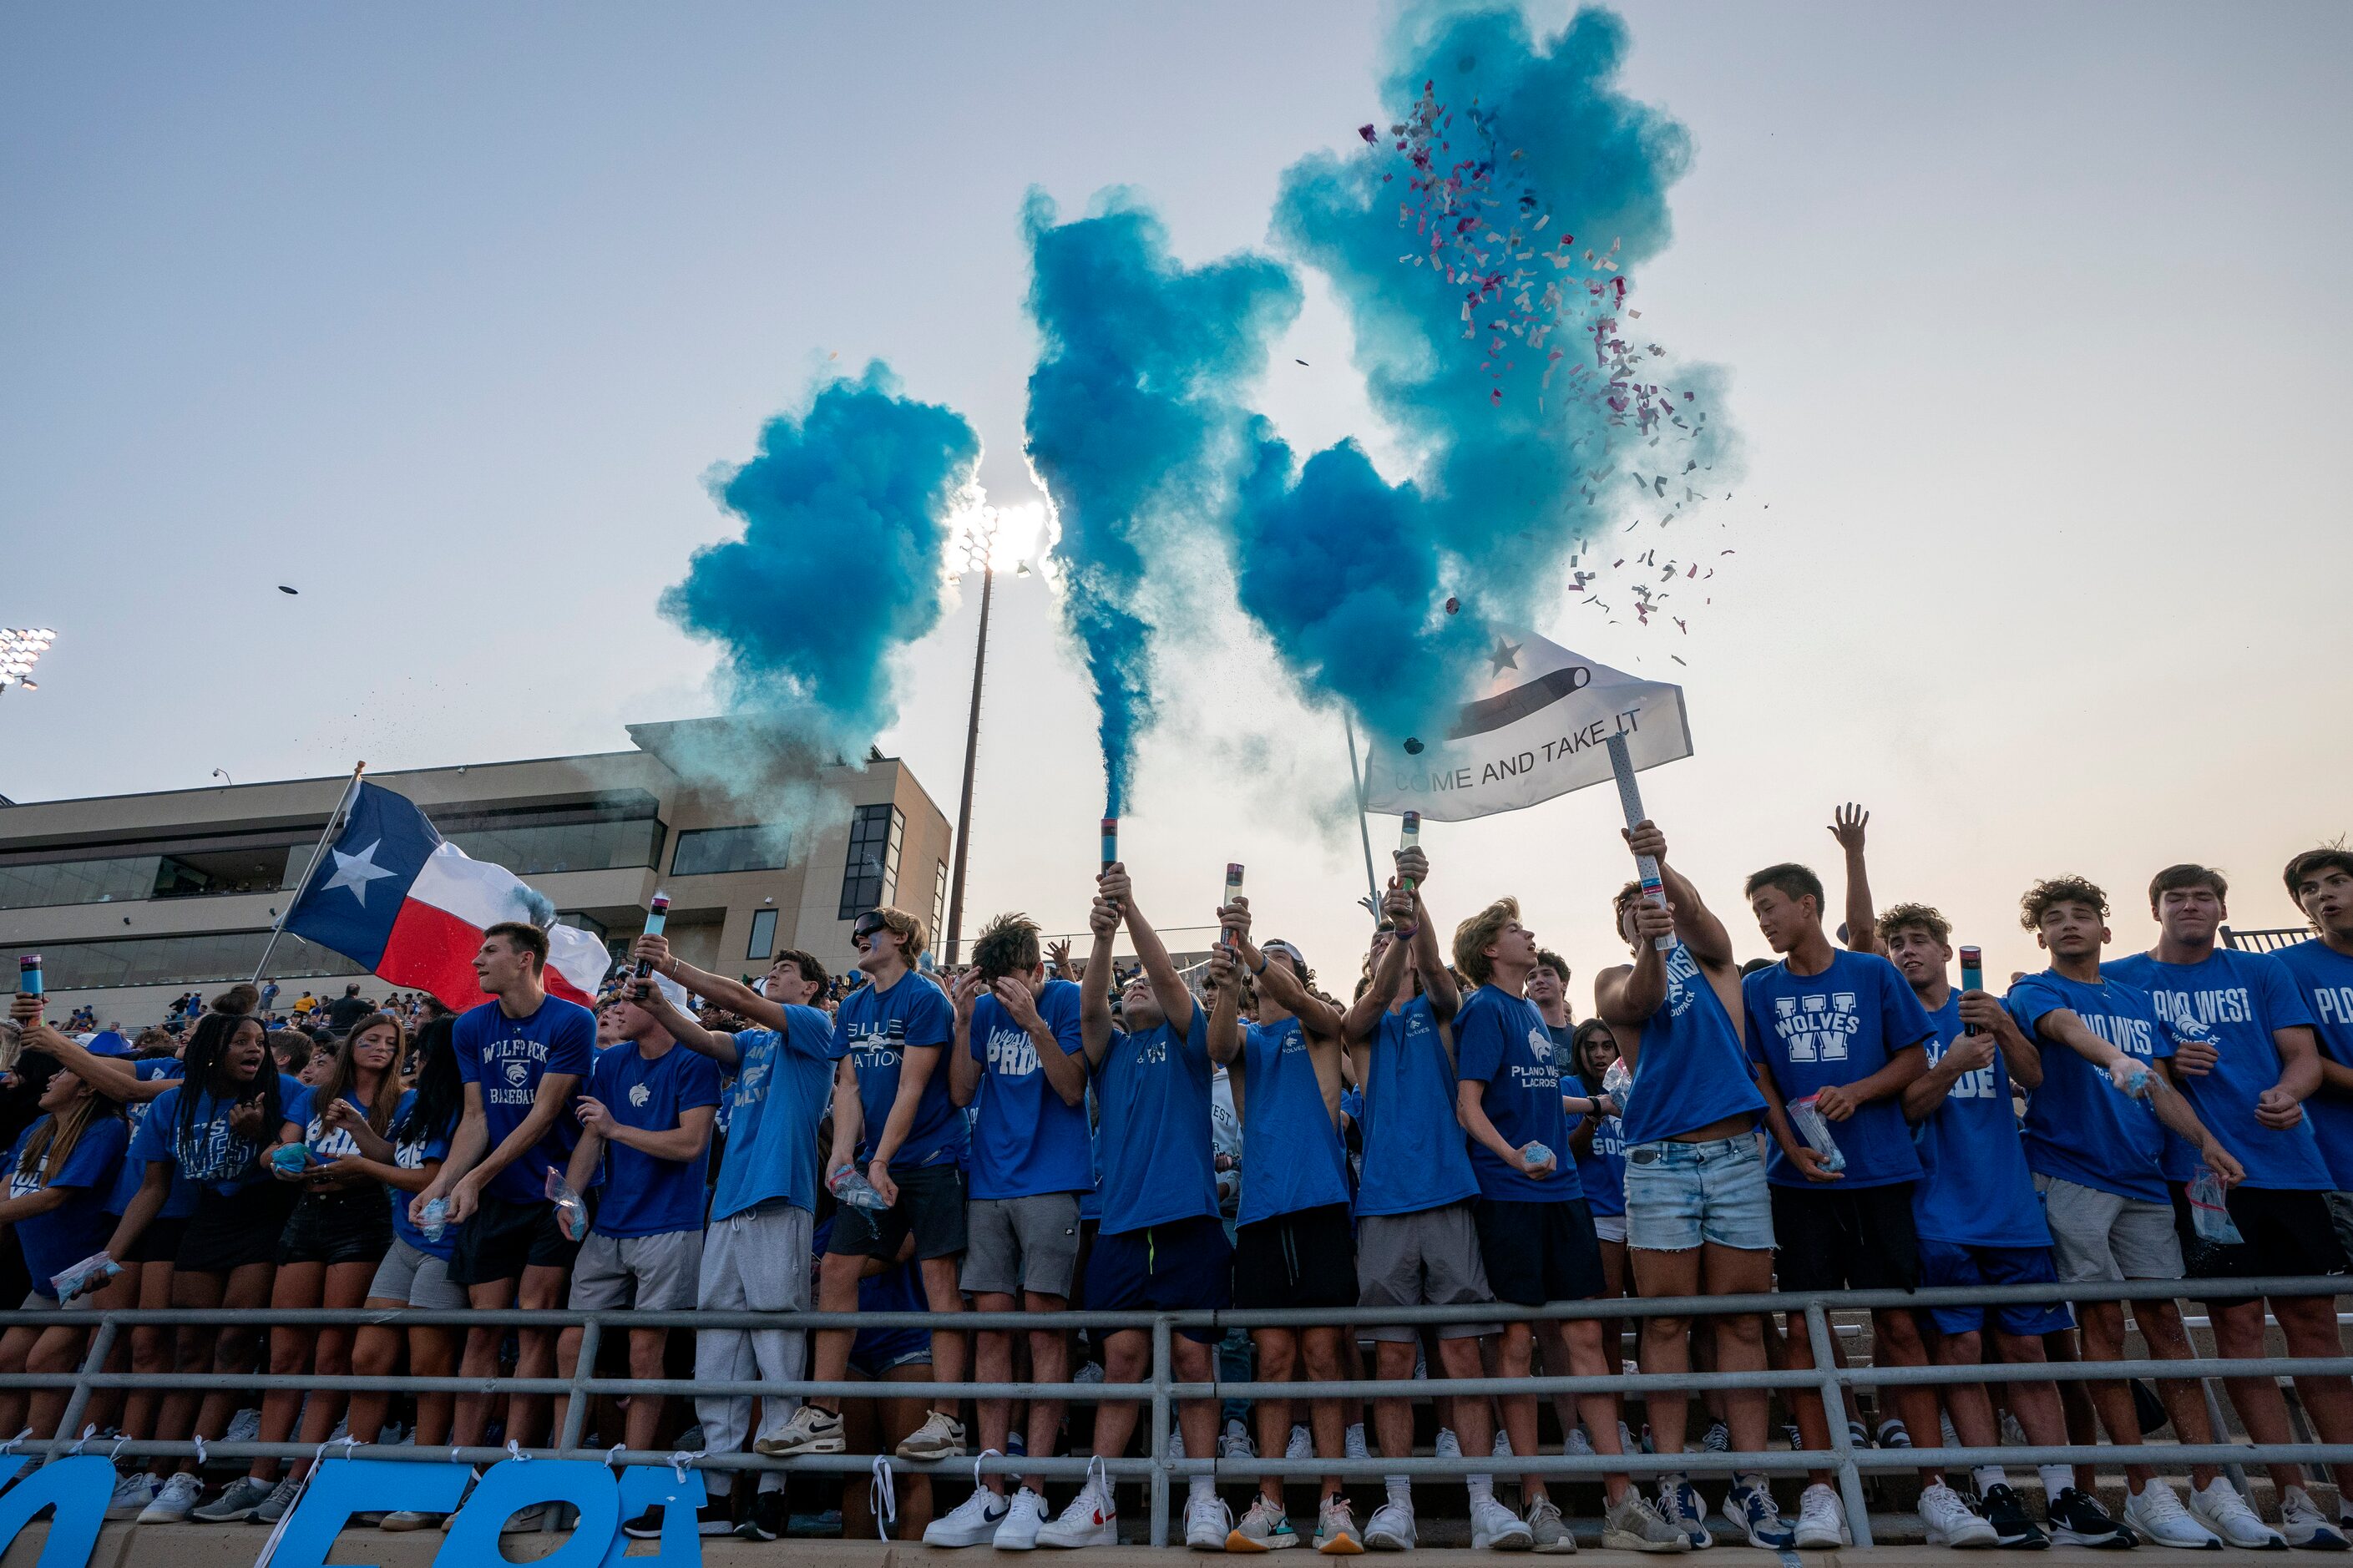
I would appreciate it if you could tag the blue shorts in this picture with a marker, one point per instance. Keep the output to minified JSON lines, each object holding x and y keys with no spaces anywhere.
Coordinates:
{"x":876,"y":1351}
{"x":1680,"y":1195}
{"x":1944,"y":1263}
{"x":1184,"y":1266}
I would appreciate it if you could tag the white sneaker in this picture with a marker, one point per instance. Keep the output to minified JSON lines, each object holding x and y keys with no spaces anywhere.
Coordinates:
{"x":1355,"y":1448}
{"x":1207,"y":1522}
{"x":1091,"y":1372}
{"x":1089,"y":1520}
{"x":1821,"y":1521}
{"x":1950,"y":1521}
{"x":810,"y":1431}
{"x":1577,"y":1445}
{"x":133,"y":1493}
{"x":970,"y":1523}
{"x":1390,"y":1527}
{"x":2154,"y":1514}
{"x":1265,"y":1527}
{"x":175,"y":1501}
{"x":1501,"y":1447}
{"x":1235,"y":1444}
{"x":1495,"y":1528}
{"x":1449,"y":1446}
{"x":1336,"y":1527}
{"x":245,"y":1426}
{"x":2305,"y":1525}
{"x":1945,"y":1425}
{"x":1302,"y":1445}
{"x":1548,"y":1530}
{"x":2218,"y":1507}
{"x":940,"y":1436}
{"x":1025,"y":1515}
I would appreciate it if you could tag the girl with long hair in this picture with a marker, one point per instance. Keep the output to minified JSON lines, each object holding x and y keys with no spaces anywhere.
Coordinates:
{"x":57,"y":1176}
{"x":415,"y":1269}
{"x":338,"y":1234}
{"x":201,"y":1151}
{"x":1599,"y":1144}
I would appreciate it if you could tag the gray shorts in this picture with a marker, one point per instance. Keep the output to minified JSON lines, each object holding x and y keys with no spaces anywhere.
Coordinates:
{"x":653,"y":1273}
{"x":1427,"y":1258}
{"x":418,"y":1277}
{"x":2097,"y":1235}
{"x":1012,"y":1245}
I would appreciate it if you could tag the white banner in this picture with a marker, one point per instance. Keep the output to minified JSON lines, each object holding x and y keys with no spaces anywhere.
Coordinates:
{"x":1537,"y":730}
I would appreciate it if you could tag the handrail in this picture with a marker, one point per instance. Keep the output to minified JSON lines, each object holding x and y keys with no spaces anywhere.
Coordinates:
{"x":1158,"y":1468}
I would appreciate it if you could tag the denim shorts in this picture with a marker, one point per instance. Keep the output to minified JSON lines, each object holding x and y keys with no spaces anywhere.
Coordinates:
{"x":1680,"y":1195}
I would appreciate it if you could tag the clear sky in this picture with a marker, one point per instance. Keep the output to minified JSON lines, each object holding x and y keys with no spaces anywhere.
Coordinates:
{"x":2037,"y":319}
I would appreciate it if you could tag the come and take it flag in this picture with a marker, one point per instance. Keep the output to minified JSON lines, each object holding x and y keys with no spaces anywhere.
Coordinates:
{"x":392,"y":894}
{"x":1538,"y":729}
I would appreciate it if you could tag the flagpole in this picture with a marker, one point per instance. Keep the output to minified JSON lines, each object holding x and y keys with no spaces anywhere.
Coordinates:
{"x":1363,"y":829}
{"x":334,"y":820}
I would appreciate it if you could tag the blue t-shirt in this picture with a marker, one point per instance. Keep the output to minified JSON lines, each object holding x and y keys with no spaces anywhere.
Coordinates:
{"x":324,"y":1142}
{"x":1501,"y":1041}
{"x":1974,"y":1188}
{"x":135,"y":1112}
{"x":644,"y":1193}
{"x":1811,"y":1031}
{"x":1292,"y":1157}
{"x":212,"y":1154}
{"x":1154,"y":1089}
{"x":1692,"y":1071}
{"x":414,"y":1153}
{"x":2080,"y":1127}
{"x":2237,"y":999}
{"x":1025,"y":1139}
{"x":1601,"y":1169}
{"x":1415,"y":1153}
{"x":78,"y":1227}
{"x":507,"y":1058}
{"x":2324,"y":976}
{"x":875,"y":1029}
{"x":784,"y":1082}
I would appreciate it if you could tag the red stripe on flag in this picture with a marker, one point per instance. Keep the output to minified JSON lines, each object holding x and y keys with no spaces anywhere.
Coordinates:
{"x":433,"y":951}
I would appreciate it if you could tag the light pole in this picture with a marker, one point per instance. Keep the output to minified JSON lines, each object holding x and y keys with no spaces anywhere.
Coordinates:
{"x":20,"y":649}
{"x":986,"y":542}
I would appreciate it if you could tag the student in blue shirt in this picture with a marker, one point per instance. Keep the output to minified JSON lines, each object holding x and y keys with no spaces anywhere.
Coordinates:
{"x":2253,"y":1098}
{"x":1019,"y":1061}
{"x":1843,"y":1030}
{"x":523,"y":1056}
{"x":756,"y":1250}
{"x":891,"y":1109}
{"x":645,"y":1145}
{"x":1980,"y":1223}
{"x":2321,"y":882}
{"x":1161,"y":1248}
{"x":1294,"y":1243}
{"x":1699,"y":1214}
{"x":1535,"y":1231}
{"x":2094,"y":1139}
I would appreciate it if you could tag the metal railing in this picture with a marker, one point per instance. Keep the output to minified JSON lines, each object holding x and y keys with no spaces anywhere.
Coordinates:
{"x":1157,"y":1470}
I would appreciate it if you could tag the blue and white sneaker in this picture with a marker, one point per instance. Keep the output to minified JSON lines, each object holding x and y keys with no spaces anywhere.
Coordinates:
{"x":1681,"y":1506}
{"x":1749,"y":1509}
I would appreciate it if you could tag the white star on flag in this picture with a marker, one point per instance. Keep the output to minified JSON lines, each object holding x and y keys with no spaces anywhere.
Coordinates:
{"x":356,"y":871}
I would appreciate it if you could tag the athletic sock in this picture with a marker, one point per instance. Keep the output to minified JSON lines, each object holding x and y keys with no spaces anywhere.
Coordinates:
{"x":1988,"y":1476}
{"x":2056,"y":1479}
{"x":1481,"y":1486}
{"x":1201,"y":1487}
{"x":1400,"y":1489}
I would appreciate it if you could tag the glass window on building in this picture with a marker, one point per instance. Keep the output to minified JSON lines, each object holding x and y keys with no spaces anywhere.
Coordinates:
{"x":198,"y":959}
{"x":764,"y":935}
{"x":870,"y":879}
{"x":707,"y":851}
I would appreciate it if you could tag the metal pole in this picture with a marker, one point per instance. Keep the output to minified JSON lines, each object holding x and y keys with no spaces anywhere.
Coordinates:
{"x":102,"y":1345}
{"x":971,"y":752}
{"x":1364,"y":830}
{"x":1161,"y":1373}
{"x":1858,"y":1511}
{"x":334,"y":819}
{"x":576,"y":1409}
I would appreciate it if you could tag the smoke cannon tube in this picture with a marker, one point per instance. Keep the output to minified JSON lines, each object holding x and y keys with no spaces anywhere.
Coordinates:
{"x":28,"y":975}
{"x":657,"y":916}
{"x":1233,"y":892}
{"x":1110,"y":842}
{"x":1409,"y":837}
{"x":1972,"y":975}
{"x":1630,"y":799}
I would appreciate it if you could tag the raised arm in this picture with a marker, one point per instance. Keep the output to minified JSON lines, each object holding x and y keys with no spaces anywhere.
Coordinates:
{"x":1696,"y":926}
{"x":1924,"y":1094}
{"x":963,"y":1068}
{"x":1066,"y":1073}
{"x":1094,"y":983}
{"x":716,"y":1043}
{"x":1316,"y":1017}
{"x":1627,"y":995}
{"x":1847,"y":823}
{"x":1175,"y":1001}
{"x":1225,"y":1040}
{"x":1364,"y":1017}
{"x":112,"y":1077}
{"x":2021,"y":1056}
{"x":733,"y":995}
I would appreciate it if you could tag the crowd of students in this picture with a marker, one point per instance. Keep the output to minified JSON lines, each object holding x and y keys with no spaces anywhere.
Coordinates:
{"x":1027,"y":1136}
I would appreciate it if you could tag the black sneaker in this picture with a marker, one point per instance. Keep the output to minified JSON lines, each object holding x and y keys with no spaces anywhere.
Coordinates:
{"x":711,"y":1518}
{"x":2011,"y":1525}
{"x":2078,"y":1520}
{"x":768,"y":1518}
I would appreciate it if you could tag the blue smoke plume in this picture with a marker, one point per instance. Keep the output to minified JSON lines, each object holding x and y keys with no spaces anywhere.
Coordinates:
{"x":1480,"y":240}
{"x":845,"y":513}
{"x":1137,"y":425}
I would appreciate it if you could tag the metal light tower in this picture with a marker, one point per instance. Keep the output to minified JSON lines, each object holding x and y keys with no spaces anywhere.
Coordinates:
{"x":982,"y":545}
{"x":20,"y":649}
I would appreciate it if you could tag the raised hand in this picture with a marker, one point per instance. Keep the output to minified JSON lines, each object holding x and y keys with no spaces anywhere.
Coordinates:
{"x":1847,"y":823}
{"x":1652,"y":920}
{"x":1103,"y":918}
{"x":1235,"y":918}
{"x":1413,"y":865}
{"x":654,"y":950}
{"x":1644,"y":839}
{"x":1114,"y":885}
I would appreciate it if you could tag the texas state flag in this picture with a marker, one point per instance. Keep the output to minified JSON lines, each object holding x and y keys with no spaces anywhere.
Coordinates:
{"x":393,"y":895}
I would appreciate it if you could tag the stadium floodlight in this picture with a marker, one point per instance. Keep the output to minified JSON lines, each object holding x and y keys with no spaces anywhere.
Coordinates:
{"x":20,"y":649}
